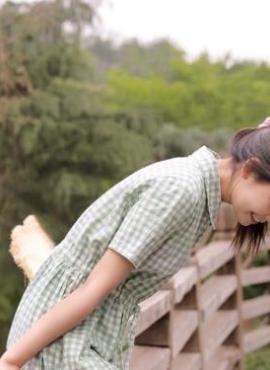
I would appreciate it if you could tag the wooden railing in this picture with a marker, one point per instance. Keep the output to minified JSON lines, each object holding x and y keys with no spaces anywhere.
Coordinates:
{"x":199,"y":319}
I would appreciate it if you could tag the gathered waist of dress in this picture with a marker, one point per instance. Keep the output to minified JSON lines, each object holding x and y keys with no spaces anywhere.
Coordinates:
{"x":123,"y":294}
{"x":62,"y":253}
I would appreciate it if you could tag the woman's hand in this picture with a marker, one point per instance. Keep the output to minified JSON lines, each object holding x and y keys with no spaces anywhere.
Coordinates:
{"x":4,"y":365}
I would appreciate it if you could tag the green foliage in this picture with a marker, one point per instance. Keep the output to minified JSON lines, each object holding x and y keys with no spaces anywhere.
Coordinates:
{"x":135,"y":58}
{"x":258,"y":360}
{"x":171,"y":141}
{"x":202,"y":94}
{"x":11,"y":286}
{"x":74,"y":162}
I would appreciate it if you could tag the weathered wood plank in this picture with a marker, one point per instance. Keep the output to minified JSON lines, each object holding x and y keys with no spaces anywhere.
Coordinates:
{"x":256,"y":275}
{"x":216,"y":329}
{"x":224,"y":358}
{"x":256,"y":307}
{"x":213,"y":256}
{"x":256,"y":339}
{"x":153,"y":308}
{"x":187,"y":361}
{"x":150,"y":358}
{"x":182,"y":282}
{"x":183,"y":326}
{"x":157,"y":334}
{"x":214,"y":292}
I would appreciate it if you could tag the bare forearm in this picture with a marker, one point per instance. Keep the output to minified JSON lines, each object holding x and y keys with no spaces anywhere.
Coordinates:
{"x":61,"y":318}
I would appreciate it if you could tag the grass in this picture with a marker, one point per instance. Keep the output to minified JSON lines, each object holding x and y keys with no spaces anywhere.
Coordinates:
{"x":258,"y":360}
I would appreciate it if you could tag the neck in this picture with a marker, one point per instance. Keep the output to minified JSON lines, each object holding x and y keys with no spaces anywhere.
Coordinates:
{"x":225,"y":174}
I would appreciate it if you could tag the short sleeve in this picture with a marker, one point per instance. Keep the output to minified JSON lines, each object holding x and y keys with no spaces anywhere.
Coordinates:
{"x":153,"y":219}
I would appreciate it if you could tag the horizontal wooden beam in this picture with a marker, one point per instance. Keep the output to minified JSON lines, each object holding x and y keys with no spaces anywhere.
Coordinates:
{"x":213,"y":256}
{"x":150,"y":358}
{"x":255,"y":275}
{"x":256,"y":339}
{"x":184,"y":323}
{"x":225,"y":358}
{"x":153,"y":308}
{"x":216,"y":291}
{"x":187,"y":361}
{"x":182,"y":282}
{"x":256,"y":307}
{"x":216,"y":329}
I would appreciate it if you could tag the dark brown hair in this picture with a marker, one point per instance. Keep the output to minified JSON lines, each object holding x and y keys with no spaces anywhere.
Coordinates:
{"x":244,"y":146}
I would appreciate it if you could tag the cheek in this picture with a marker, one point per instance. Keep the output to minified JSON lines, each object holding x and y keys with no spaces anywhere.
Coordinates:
{"x":258,"y":207}
{"x":244,"y":203}
{"x":262,"y":209}
{"x":241,"y":199}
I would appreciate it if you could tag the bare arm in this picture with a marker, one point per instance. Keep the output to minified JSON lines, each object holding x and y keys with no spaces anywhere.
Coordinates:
{"x":107,"y":274}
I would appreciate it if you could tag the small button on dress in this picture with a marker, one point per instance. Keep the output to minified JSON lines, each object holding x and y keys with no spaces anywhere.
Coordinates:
{"x":153,"y":218}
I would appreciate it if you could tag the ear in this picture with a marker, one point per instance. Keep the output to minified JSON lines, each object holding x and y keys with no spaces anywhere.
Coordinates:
{"x":247,"y":167}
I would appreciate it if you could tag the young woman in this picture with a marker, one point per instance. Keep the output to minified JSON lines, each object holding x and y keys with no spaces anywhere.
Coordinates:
{"x":79,"y":311}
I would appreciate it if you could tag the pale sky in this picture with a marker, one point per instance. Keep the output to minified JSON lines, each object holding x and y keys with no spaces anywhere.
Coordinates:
{"x":240,"y":27}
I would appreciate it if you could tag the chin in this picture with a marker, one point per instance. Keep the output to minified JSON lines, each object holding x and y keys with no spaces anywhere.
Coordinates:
{"x":246,"y":222}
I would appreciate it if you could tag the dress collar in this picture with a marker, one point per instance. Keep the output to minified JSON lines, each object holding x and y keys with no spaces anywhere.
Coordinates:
{"x":206,"y":160}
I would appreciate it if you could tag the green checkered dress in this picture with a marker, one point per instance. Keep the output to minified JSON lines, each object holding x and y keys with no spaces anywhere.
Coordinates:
{"x":152,"y":217}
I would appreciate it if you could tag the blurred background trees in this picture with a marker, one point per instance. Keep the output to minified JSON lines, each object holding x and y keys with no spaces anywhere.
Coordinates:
{"x":78,"y":114}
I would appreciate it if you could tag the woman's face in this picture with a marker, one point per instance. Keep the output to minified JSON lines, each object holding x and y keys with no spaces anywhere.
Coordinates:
{"x":250,"y":198}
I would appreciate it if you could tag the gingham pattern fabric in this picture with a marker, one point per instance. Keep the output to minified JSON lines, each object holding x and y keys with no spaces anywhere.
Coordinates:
{"x":153,"y":218}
